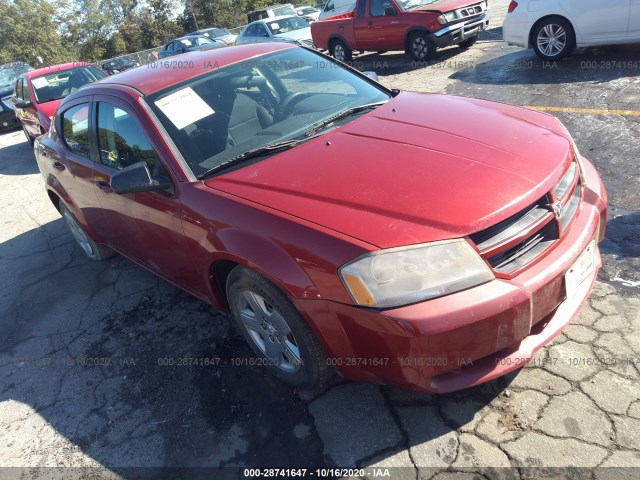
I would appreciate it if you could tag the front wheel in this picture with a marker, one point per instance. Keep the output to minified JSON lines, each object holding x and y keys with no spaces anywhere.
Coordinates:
{"x":340,"y":51}
{"x":421,"y":47}
{"x":90,"y":248}
{"x":553,"y":39}
{"x":276,"y":331}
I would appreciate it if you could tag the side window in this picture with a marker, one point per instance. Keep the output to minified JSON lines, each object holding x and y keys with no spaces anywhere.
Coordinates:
{"x":376,"y":9}
{"x":261,"y":31}
{"x":361,"y":8}
{"x":26,"y":96}
{"x":75,"y":129}
{"x":121,"y":141}
{"x":251,"y":31}
{"x":329,"y":6}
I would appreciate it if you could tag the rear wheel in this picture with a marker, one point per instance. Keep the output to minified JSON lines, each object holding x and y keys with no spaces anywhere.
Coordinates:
{"x":340,"y":51}
{"x":468,"y":43}
{"x":553,"y":39}
{"x":276,"y":331}
{"x":421,"y":47}
{"x":88,"y":246}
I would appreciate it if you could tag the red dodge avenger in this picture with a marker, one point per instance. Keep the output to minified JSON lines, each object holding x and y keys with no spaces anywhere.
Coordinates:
{"x":425,"y":241}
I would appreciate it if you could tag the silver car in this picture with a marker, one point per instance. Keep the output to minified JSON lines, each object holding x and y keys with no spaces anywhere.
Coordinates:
{"x":286,"y":28}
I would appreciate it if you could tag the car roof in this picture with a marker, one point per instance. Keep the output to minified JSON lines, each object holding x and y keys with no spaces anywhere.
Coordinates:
{"x":150,"y":79}
{"x":54,"y":68}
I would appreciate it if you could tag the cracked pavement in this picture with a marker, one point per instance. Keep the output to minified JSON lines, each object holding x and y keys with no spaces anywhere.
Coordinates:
{"x":90,"y":373}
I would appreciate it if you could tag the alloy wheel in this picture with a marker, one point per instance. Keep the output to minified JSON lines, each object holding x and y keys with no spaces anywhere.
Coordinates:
{"x":269,"y":331}
{"x":552,"y":40}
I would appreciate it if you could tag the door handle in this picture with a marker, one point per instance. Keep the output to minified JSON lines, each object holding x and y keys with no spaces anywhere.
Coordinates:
{"x":393,"y":22}
{"x":56,"y":164}
{"x":104,"y":186}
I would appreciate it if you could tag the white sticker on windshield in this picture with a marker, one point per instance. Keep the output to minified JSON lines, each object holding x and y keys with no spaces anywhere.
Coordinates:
{"x":184,"y":107}
{"x":39,"y":82}
{"x":275,"y":26}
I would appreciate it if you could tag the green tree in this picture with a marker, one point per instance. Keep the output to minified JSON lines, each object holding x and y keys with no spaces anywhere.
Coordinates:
{"x":28,"y":32}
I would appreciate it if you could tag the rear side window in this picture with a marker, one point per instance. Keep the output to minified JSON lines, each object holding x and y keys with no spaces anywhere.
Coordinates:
{"x":75,"y":129}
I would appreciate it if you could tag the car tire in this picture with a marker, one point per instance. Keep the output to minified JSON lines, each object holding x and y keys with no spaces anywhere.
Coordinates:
{"x":30,"y":139}
{"x":275,"y":331}
{"x":340,"y":51}
{"x":421,"y":47}
{"x":90,"y":248}
{"x":553,"y":39}
{"x":468,"y":43}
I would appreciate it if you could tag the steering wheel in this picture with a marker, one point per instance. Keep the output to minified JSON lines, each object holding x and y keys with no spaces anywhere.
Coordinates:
{"x":287,"y":103}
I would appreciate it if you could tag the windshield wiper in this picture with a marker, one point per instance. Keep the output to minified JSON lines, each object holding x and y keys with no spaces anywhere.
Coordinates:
{"x":248,"y":155}
{"x":340,"y":115}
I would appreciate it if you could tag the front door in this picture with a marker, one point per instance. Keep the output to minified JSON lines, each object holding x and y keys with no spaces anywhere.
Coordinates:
{"x":145,"y":226}
{"x":380,"y":29}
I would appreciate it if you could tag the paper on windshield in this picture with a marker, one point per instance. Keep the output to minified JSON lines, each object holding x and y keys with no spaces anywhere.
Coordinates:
{"x":184,"y":107}
{"x":39,"y":82}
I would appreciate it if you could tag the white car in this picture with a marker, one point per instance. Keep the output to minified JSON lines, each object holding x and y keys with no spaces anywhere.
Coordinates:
{"x":289,"y":28}
{"x":553,"y":28}
{"x":336,"y":7}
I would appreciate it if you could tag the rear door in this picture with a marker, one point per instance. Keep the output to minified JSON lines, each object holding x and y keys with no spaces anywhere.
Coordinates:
{"x":74,"y":164}
{"x":598,"y":20}
{"x":145,"y":226}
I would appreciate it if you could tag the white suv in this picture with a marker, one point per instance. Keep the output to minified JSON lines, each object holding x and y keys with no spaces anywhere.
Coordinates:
{"x":553,"y":28}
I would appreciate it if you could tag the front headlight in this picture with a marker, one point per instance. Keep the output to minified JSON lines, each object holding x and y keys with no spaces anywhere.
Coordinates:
{"x":446,"y":18}
{"x":400,"y":276}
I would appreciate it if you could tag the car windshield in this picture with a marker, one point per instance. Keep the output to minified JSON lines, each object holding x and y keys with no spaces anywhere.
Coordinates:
{"x":308,"y":10}
{"x":411,"y":4}
{"x":289,"y":95}
{"x":196,"y":41}
{"x":10,"y":71}
{"x":57,"y":85}
{"x":285,"y":25}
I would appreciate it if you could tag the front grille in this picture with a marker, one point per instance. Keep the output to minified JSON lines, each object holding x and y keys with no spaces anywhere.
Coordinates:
{"x":521,"y":238}
{"x":467,"y":12}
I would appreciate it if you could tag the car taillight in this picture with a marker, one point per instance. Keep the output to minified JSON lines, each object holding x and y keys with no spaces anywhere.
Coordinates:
{"x":512,"y":6}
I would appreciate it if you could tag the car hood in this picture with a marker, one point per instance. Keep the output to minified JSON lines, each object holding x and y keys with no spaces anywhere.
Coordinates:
{"x":300,"y":34}
{"x":422,"y":167}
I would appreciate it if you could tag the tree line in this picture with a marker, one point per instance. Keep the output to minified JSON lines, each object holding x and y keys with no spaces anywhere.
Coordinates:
{"x":47,"y":32}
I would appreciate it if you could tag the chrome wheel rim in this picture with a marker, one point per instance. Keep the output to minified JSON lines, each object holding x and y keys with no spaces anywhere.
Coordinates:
{"x":338,"y":52}
{"x":419,"y":47}
{"x":78,"y":234}
{"x":269,"y":331}
{"x":552,"y":40}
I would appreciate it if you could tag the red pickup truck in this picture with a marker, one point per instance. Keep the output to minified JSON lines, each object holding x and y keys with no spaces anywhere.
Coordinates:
{"x":418,"y":27}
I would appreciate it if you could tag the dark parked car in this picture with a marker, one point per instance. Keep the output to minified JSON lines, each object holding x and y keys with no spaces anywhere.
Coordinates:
{"x":117,"y":65}
{"x":216,"y":34}
{"x":426,"y":241}
{"x":8,"y":74}
{"x":37,"y":93}
{"x":187,"y":44}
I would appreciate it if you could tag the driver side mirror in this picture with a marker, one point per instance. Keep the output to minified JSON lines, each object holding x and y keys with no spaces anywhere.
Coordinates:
{"x":136,"y":178}
{"x":24,"y":104}
{"x":389,"y":11}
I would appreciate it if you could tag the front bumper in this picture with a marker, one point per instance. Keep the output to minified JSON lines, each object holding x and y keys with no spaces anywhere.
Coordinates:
{"x":459,"y":32}
{"x":470,"y":337}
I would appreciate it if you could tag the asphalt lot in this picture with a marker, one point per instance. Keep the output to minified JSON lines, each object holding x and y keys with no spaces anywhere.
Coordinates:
{"x":89,"y":352}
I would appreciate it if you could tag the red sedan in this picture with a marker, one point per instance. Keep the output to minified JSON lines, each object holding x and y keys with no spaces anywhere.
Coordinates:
{"x":425,"y":241}
{"x":37,"y":93}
